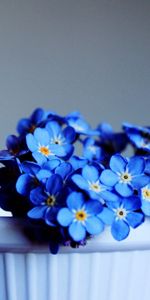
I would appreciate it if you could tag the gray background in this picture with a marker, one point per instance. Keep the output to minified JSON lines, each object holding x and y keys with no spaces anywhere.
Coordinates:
{"x":64,"y":55}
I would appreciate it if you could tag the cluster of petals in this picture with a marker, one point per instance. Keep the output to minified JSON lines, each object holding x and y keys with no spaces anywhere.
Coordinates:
{"x":71,"y":195}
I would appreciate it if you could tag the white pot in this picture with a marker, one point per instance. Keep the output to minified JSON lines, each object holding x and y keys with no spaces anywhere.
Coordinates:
{"x":103,"y":270}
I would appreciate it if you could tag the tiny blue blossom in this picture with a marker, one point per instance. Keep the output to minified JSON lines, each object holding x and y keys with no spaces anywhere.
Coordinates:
{"x":80,"y":126}
{"x":121,"y":215}
{"x":46,"y":200}
{"x":111,"y":141}
{"x":63,"y":138}
{"x":16,"y":148}
{"x":125,"y":175}
{"x":27,"y":125}
{"x":89,"y":181}
{"x":91,"y":150}
{"x":80,"y":216}
{"x":41,"y":148}
{"x":139,"y":136}
{"x":28,"y":179}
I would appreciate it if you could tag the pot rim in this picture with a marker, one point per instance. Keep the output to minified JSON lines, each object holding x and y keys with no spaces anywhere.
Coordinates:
{"x":12,"y":239}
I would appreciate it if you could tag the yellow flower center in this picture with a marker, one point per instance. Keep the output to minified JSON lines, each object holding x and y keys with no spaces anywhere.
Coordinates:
{"x":81,"y":215}
{"x":125,"y":177}
{"x":146,"y":194}
{"x":50,"y":201}
{"x":44,"y":150}
{"x":95,"y":186}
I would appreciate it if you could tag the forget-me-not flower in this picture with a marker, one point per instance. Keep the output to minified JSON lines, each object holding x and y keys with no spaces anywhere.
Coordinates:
{"x":125,"y":175}
{"x":139,"y":136}
{"x":121,"y":215}
{"x":89,"y":181}
{"x":80,"y":216}
{"x":47,"y":200}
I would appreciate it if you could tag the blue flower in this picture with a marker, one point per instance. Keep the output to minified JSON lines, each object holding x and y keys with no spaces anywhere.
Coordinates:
{"x":63,"y":138}
{"x":139,"y":136}
{"x":28,"y":180}
{"x":41,"y":148}
{"x":145,"y":199}
{"x":110,"y":141}
{"x":47,"y":200}
{"x":80,"y":216}
{"x":125,"y":175}
{"x":80,"y":126}
{"x":27,"y":125}
{"x":91,"y":150}
{"x":16,"y":147}
{"x":121,"y":215}
{"x":89,"y":181}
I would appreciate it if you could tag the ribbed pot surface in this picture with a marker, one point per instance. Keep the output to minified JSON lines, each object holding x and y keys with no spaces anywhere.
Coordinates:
{"x":84,"y":276}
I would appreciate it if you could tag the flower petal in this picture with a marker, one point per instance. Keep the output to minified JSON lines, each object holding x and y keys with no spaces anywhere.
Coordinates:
{"x":23,"y":126}
{"x":120,"y":230}
{"x":24,"y":184}
{"x":29,"y":167}
{"x":77,"y":231}
{"x":37,"y":196}
{"x":109,"y":178}
{"x":69,"y":134}
{"x":50,"y":216}
{"x":37,"y":212}
{"x":54,"y":184}
{"x":64,"y":170}
{"x":109,"y":196}
{"x":124,"y":189}
{"x":93,"y":207}
{"x":118,"y":163}
{"x":146,"y":207}
{"x":52,"y":164}
{"x":94,"y":225}
{"x":64,"y":217}
{"x":37,"y":115}
{"x":53,"y":128}
{"x":59,"y":150}
{"x":107,"y":216}
{"x":90,"y":173}
{"x":140,"y":181}
{"x":135,"y":219}
{"x":131,"y":203}
{"x":39,"y":157}
{"x":75,"y":200}
{"x":78,"y":162}
{"x":43,"y":174}
{"x":31,"y":142}
{"x":136,"y":165}
{"x":80,"y":182}
{"x":42,"y":136}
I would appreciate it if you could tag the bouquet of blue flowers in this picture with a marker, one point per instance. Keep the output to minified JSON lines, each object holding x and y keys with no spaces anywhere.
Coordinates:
{"x":69,"y":181}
